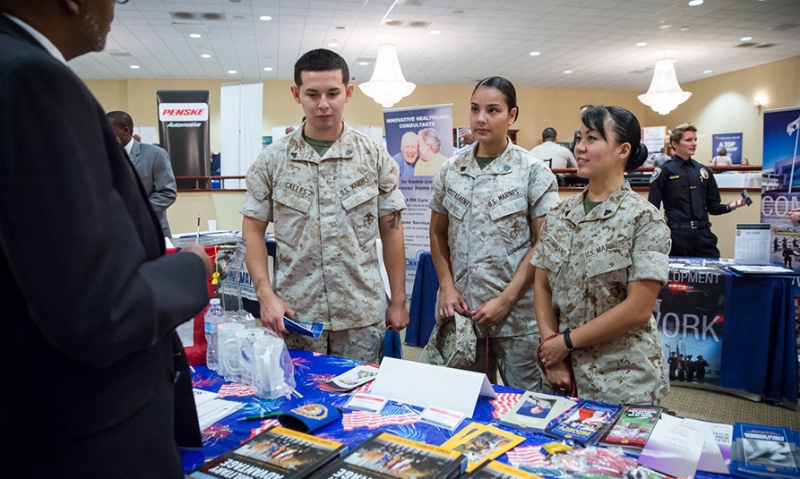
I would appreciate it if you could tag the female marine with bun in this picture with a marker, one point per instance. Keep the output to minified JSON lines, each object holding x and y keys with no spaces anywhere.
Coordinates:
{"x":601,"y":261}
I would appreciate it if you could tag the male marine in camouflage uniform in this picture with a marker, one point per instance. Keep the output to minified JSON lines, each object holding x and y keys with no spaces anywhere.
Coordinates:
{"x":590,"y":259}
{"x":491,"y":215}
{"x":330,"y":191}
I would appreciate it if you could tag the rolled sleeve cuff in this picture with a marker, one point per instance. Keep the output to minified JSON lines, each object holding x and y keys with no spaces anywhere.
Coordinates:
{"x":388,"y":203}
{"x":649,"y":265}
{"x":253,"y":208}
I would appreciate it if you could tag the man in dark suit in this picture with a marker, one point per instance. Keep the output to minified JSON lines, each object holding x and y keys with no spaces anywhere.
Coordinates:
{"x":90,"y":301}
{"x":151,"y":163}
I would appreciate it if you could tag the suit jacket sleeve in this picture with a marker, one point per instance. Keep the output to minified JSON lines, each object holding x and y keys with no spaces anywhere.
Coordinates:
{"x":165,"y":190}
{"x":82,"y":247}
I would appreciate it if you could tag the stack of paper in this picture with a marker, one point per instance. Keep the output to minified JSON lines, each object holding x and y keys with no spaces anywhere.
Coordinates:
{"x":211,"y":409}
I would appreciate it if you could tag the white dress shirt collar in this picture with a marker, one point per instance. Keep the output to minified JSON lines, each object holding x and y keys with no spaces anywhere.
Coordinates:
{"x":47,"y":44}
{"x":128,"y":148}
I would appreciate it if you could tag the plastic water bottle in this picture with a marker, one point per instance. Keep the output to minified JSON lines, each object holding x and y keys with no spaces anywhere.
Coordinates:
{"x":214,"y":316}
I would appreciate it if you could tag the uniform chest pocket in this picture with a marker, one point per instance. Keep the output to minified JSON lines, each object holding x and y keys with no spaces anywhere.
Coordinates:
{"x":291,"y":214}
{"x":511,"y":220}
{"x":362,"y":212}
{"x":609,"y":271}
{"x":550,"y":255}
{"x":456,"y":208}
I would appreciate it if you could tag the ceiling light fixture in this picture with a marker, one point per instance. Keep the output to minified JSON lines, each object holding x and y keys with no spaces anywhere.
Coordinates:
{"x":641,"y":44}
{"x":333,"y":44}
{"x":205,"y":55}
{"x":567,"y":72}
{"x":135,"y":67}
{"x":664,"y":94}
{"x":387,"y":85}
{"x":535,"y":54}
{"x":195,"y":35}
{"x":707,"y":71}
{"x":695,"y":3}
{"x":436,"y":32}
{"x":363,"y":64}
{"x":265,"y":18}
{"x":232,"y":72}
{"x":268,"y":69}
{"x":745,"y":39}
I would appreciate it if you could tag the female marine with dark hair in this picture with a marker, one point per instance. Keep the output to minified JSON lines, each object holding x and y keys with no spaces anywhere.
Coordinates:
{"x":600,"y":264}
{"x":487,"y":207}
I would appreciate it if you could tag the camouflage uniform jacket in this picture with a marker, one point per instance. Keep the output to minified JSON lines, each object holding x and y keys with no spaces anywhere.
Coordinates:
{"x":325,"y":212}
{"x":489,"y":233}
{"x":590,"y":259}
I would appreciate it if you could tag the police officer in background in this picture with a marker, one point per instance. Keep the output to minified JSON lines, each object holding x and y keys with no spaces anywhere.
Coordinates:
{"x":690,"y":194}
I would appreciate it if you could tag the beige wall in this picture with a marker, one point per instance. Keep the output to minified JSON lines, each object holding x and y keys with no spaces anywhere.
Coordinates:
{"x":724,"y":104}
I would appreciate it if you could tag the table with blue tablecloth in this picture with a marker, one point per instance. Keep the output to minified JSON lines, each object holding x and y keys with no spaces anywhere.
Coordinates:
{"x":758,"y":347}
{"x":312,"y":369}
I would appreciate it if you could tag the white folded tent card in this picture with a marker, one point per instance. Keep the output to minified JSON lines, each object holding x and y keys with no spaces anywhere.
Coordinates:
{"x":426,"y":385}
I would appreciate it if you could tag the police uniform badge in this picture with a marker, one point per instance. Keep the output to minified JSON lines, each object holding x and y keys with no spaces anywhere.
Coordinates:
{"x":703,"y":174}
{"x":655,"y":175}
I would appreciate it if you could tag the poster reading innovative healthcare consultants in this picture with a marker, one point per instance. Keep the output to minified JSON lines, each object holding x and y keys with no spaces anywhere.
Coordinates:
{"x":420,"y":140}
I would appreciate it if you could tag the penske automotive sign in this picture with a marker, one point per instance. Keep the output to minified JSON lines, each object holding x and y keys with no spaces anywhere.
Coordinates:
{"x":183,"y":112}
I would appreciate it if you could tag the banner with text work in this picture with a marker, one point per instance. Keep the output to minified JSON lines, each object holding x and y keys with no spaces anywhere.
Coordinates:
{"x":420,"y":140}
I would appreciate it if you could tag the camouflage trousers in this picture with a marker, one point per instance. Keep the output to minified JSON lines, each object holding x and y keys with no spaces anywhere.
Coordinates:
{"x":514,"y":358}
{"x":364,"y":343}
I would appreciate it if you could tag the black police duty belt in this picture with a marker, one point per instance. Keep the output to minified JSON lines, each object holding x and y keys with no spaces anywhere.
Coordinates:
{"x":691,"y":225}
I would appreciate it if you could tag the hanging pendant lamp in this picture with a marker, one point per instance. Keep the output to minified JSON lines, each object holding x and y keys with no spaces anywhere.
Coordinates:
{"x":664,"y":94}
{"x":387,"y":85}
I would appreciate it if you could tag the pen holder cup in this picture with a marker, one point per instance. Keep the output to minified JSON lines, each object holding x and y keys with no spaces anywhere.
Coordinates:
{"x":226,"y":331}
{"x":273,"y":372}
{"x":236,"y":354}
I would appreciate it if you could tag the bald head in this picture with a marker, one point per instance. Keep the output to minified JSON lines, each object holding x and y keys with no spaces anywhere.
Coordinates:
{"x":74,"y":26}
{"x":122,"y":123}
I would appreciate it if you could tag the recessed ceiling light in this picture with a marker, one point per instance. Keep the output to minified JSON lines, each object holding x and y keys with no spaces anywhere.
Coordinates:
{"x":268,"y":69}
{"x":664,"y":27}
{"x":567,"y":71}
{"x":435,"y":32}
{"x":135,"y":67}
{"x":745,"y":39}
{"x":684,"y":29}
{"x":265,"y":18}
{"x":195,"y":35}
{"x":363,"y":63}
{"x":333,"y":44}
{"x":707,"y":71}
{"x":695,"y":3}
{"x":641,"y":44}
{"x":205,"y":55}
{"x":232,"y":72}
{"x":534,"y":54}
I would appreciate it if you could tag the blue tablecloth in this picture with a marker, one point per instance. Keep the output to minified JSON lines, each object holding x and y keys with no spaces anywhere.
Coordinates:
{"x":759,"y":353}
{"x":312,"y":369}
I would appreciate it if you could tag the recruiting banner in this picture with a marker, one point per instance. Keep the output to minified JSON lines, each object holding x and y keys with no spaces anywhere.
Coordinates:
{"x":780,"y":189}
{"x":653,"y":137}
{"x":183,"y":126}
{"x":732,"y":142}
{"x":689,"y":314}
{"x":420,"y":140}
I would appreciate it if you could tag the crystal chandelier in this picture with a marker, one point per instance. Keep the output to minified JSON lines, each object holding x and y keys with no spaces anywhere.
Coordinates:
{"x":387,"y":85}
{"x":664,"y":94}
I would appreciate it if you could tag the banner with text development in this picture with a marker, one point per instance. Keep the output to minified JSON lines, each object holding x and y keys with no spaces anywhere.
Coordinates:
{"x":420,"y":140}
{"x":689,"y":314}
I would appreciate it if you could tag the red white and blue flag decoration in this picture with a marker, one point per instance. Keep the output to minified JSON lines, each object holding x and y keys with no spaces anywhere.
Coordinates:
{"x":526,"y":456}
{"x":503,"y":402}
{"x":236,"y":389}
{"x":390,"y":415}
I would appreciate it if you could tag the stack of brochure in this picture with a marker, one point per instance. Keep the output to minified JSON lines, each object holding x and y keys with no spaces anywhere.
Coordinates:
{"x":585,"y":422}
{"x":349,"y":380}
{"x":765,"y":451}
{"x":633,"y":427}
{"x":534,"y":411}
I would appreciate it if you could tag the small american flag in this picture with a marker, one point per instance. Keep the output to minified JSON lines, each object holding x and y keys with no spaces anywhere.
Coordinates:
{"x":503,"y":402}
{"x":364,"y":388}
{"x":265,"y":424}
{"x":390,"y":415}
{"x":526,"y":456}
{"x":236,"y":389}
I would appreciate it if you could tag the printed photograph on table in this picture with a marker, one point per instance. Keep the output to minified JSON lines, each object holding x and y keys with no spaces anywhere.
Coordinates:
{"x":482,"y":443}
{"x":690,"y":318}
